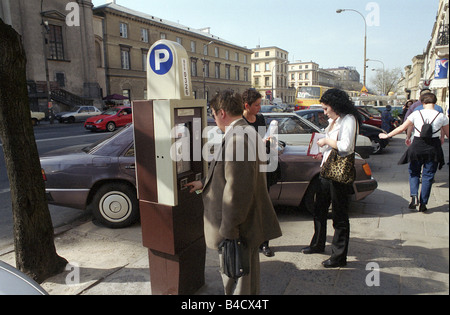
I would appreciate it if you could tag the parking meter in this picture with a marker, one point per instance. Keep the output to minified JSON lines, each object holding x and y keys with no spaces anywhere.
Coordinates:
{"x":168,"y":141}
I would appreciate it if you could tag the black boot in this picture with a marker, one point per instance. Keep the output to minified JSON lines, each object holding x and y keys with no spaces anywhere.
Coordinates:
{"x":413,"y":203}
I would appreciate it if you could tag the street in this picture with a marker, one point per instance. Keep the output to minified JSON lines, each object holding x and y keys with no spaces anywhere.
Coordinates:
{"x":48,"y":138}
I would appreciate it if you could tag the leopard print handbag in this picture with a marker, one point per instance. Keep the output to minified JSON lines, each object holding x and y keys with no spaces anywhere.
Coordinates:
{"x":339,"y":169}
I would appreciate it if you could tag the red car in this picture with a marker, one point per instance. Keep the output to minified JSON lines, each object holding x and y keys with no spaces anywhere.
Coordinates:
{"x":110,"y":119}
{"x":369,"y":119}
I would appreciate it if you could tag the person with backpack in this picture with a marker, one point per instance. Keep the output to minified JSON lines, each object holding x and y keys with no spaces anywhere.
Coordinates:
{"x":426,"y":149}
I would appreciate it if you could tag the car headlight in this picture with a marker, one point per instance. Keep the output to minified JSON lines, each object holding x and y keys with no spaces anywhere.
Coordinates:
{"x":99,"y":121}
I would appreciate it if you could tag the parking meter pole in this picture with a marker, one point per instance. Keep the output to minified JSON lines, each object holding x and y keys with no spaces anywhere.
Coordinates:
{"x":165,"y":128}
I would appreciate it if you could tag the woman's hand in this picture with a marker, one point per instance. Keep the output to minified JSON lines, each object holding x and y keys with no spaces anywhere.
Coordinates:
{"x":318,"y":156}
{"x":322,"y":142}
{"x":383,"y":136}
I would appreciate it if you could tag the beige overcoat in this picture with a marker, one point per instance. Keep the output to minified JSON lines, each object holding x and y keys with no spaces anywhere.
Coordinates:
{"x":235,"y":197}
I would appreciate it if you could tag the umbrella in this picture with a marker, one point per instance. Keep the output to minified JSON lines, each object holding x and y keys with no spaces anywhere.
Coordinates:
{"x":115,"y":97}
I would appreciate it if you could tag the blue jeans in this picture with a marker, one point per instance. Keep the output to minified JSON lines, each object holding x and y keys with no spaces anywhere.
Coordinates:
{"x":429,"y":169}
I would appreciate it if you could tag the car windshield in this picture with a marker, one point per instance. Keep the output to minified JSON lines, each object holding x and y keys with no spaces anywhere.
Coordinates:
{"x":111,"y":111}
{"x":112,"y":145}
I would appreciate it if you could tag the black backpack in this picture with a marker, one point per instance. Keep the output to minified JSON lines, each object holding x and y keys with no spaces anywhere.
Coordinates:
{"x":427,"y":128}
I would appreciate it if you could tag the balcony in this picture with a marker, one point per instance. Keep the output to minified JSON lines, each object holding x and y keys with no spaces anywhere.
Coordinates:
{"x":442,"y":42}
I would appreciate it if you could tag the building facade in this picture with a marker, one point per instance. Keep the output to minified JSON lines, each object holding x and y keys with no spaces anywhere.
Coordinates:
{"x":269,"y":71}
{"x":125,"y":37}
{"x":349,"y":78}
{"x":303,"y":74}
{"x":430,"y":69}
{"x":59,"y":45}
{"x":435,"y":72}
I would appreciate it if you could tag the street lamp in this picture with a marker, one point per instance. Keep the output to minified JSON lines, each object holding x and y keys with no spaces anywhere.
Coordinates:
{"x":273,"y":68}
{"x":205,"y":48}
{"x":365,"y":38}
{"x":383,"y":87}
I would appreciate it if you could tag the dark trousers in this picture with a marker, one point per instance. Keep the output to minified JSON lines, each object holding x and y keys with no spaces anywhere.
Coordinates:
{"x":338,"y":195}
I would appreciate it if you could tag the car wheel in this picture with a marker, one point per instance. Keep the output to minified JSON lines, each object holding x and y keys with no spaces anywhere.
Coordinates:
{"x":111,"y":126}
{"x":376,"y":145}
{"x":71,"y":120}
{"x":115,"y":205}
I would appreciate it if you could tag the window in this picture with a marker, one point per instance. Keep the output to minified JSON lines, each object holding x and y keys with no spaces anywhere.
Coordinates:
{"x":256,"y":54}
{"x":163,"y":36}
{"x":256,"y":67}
{"x":216,"y":52}
{"x":144,"y":59}
{"x":61,"y":79}
{"x":180,"y":40}
{"x":267,"y":53}
{"x":236,"y":56}
{"x":123,"y":29}
{"x":237,"y":73}
{"x":227,"y":54}
{"x":217,"y":74}
{"x":125,"y":57}
{"x":144,"y":35}
{"x":267,"y":66}
{"x":55,"y":40}
{"x":290,"y":125}
{"x":246,"y":74}
{"x":206,"y":68}
{"x":193,"y":46}
{"x":126,"y":93}
{"x":227,"y":72}
{"x":205,"y":50}
{"x":267,"y":81}
{"x":193,"y":67}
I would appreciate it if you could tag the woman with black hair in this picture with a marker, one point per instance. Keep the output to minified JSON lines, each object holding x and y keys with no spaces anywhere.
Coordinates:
{"x":344,"y":121}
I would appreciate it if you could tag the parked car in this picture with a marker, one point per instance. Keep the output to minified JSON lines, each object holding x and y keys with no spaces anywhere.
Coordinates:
{"x":15,"y":282}
{"x":110,"y":119}
{"x":369,"y":119}
{"x":101,"y":177}
{"x":318,"y":117}
{"x":271,"y":108}
{"x":36,"y":117}
{"x":79,"y":113}
{"x":295,"y":130}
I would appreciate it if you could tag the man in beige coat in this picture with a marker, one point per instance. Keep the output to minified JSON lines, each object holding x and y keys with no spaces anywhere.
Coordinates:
{"x":235,"y":197}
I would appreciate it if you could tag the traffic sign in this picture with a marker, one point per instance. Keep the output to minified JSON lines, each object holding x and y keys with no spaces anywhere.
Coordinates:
{"x":161,"y":59}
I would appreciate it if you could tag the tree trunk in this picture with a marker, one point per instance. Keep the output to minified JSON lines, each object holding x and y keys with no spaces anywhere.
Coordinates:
{"x":33,"y":229}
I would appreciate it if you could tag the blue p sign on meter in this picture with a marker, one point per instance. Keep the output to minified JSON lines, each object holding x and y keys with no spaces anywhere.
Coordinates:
{"x":161,"y":59}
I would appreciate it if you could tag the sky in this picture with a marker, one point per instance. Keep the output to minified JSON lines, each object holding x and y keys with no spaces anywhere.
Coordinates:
{"x":397,"y":30}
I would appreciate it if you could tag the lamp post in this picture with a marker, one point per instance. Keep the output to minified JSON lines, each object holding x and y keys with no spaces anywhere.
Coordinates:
{"x":205,"y":48}
{"x":273,"y":68}
{"x":383,"y":87}
{"x":365,"y":39}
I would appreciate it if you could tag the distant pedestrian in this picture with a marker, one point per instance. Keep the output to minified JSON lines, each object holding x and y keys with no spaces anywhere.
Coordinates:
{"x":387,"y":119}
{"x":426,"y":149}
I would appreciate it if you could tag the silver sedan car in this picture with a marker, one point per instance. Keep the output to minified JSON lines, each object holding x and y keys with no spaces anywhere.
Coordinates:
{"x":102,"y":178}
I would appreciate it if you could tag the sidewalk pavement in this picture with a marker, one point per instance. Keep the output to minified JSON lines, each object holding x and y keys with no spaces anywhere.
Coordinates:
{"x":411,"y":249}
